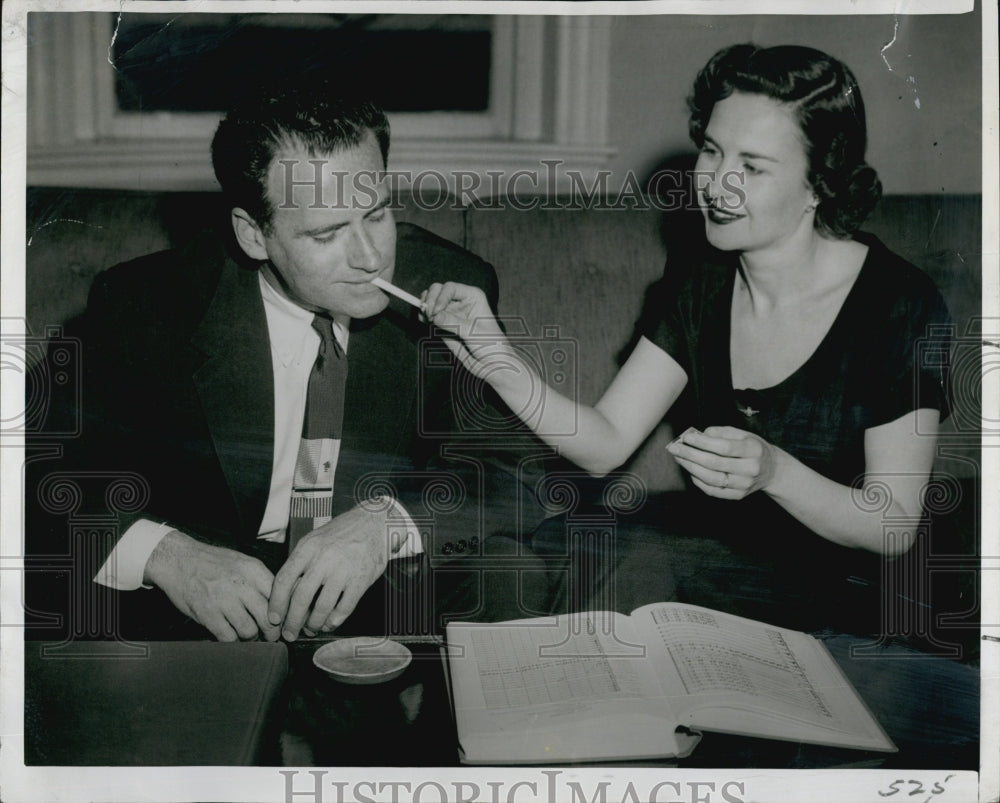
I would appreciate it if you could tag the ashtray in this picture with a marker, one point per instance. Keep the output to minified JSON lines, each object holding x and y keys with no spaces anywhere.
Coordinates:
{"x":363,"y":660}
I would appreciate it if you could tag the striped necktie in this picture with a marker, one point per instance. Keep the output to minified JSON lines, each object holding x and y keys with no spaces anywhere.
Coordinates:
{"x":312,"y":486}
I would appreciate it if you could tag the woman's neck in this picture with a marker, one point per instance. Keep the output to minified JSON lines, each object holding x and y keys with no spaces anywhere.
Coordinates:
{"x":797,"y":268}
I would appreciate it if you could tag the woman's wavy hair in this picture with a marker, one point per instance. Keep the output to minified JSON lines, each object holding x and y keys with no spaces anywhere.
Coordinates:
{"x":310,"y":113}
{"x":824,"y":96}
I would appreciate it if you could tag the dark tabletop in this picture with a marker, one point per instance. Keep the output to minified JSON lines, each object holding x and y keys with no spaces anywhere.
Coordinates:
{"x":205,"y":703}
{"x":404,"y":722}
{"x":929,"y":706}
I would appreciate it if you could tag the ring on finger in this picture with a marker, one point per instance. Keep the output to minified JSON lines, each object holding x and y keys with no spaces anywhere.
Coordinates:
{"x":725,"y":479}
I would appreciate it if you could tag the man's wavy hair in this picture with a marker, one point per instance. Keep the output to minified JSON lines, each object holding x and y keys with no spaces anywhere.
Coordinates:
{"x":311,"y":114}
{"x":825,"y":99}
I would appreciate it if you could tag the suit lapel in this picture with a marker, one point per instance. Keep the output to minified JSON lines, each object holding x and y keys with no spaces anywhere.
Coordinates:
{"x":236,"y":388}
{"x":235,"y":385}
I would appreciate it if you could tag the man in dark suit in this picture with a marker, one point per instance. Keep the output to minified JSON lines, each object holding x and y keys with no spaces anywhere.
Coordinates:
{"x":195,"y":379}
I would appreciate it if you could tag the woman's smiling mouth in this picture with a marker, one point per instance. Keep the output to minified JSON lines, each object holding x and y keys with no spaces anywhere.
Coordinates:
{"x":722,"y":217}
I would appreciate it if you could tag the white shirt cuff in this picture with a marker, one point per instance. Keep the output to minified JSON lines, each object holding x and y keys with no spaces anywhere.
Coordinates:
{"x":403,"y":530}
{"x":125,"y":566}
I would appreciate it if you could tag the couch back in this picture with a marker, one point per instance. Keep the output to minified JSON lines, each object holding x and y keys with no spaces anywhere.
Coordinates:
{"x":573,"y":280}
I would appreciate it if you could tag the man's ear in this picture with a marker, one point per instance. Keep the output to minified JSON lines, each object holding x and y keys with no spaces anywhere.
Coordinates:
{"x":249,"y":235}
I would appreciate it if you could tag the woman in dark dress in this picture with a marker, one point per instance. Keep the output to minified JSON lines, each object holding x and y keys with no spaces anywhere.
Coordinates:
{"x":805,"y":349}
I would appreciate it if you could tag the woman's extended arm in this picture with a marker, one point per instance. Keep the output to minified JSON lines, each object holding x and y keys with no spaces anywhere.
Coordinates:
{"x":731,"y":463}
{"x":598,"y":438}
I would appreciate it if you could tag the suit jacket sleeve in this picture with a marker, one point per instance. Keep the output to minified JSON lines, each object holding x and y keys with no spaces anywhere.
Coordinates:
{"x":79,"y":467}
{"x":126,"y":437}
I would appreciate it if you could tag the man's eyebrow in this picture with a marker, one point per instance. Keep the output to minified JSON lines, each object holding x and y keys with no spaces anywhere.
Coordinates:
{"x":331,"y":227}
{"x":382,"y":204}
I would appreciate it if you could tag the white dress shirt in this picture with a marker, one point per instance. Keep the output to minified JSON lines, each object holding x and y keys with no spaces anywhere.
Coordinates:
{"x":294,"y":345}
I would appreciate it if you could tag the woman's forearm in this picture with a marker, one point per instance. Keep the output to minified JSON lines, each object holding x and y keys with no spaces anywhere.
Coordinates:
{"x":580,"y":433}
{"x":839,"y":513}
{"x":731,"y":463}
{"x":598,"y":438}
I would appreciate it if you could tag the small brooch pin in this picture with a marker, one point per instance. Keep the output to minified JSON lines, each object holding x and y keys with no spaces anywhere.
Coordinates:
{"x":748,"y":411}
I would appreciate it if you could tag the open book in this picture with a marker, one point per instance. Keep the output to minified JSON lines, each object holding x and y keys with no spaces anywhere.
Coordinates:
{"x":602,"y":686}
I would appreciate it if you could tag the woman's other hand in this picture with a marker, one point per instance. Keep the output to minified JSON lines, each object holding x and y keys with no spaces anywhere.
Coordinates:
{"x":726,"y":462}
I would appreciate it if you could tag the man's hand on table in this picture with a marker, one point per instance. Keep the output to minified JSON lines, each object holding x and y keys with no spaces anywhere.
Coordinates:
{"x":334,"y":565}
{"x":225,"y":591}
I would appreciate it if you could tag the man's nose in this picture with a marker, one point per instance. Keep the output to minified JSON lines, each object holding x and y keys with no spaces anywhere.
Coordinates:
{"x":363,"y":254}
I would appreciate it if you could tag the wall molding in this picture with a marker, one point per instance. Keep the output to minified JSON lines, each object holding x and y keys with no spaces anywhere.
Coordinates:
{"x":549,"y":101}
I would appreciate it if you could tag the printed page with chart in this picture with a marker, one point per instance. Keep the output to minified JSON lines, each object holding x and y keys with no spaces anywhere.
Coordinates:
{"x":601,"y":686}
{"x":733,"y":675}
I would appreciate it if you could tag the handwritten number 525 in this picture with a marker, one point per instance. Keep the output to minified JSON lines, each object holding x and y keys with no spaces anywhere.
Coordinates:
{"x":917,"y":788}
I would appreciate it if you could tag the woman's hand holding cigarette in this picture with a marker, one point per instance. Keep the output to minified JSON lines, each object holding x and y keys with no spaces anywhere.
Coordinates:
{"x":463,"y":311}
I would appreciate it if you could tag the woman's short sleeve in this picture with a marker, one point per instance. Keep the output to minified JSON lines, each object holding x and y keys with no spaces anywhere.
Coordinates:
{"x":917,"y":353}
{"x":667,"y":332}
{"x":680,"y":305}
